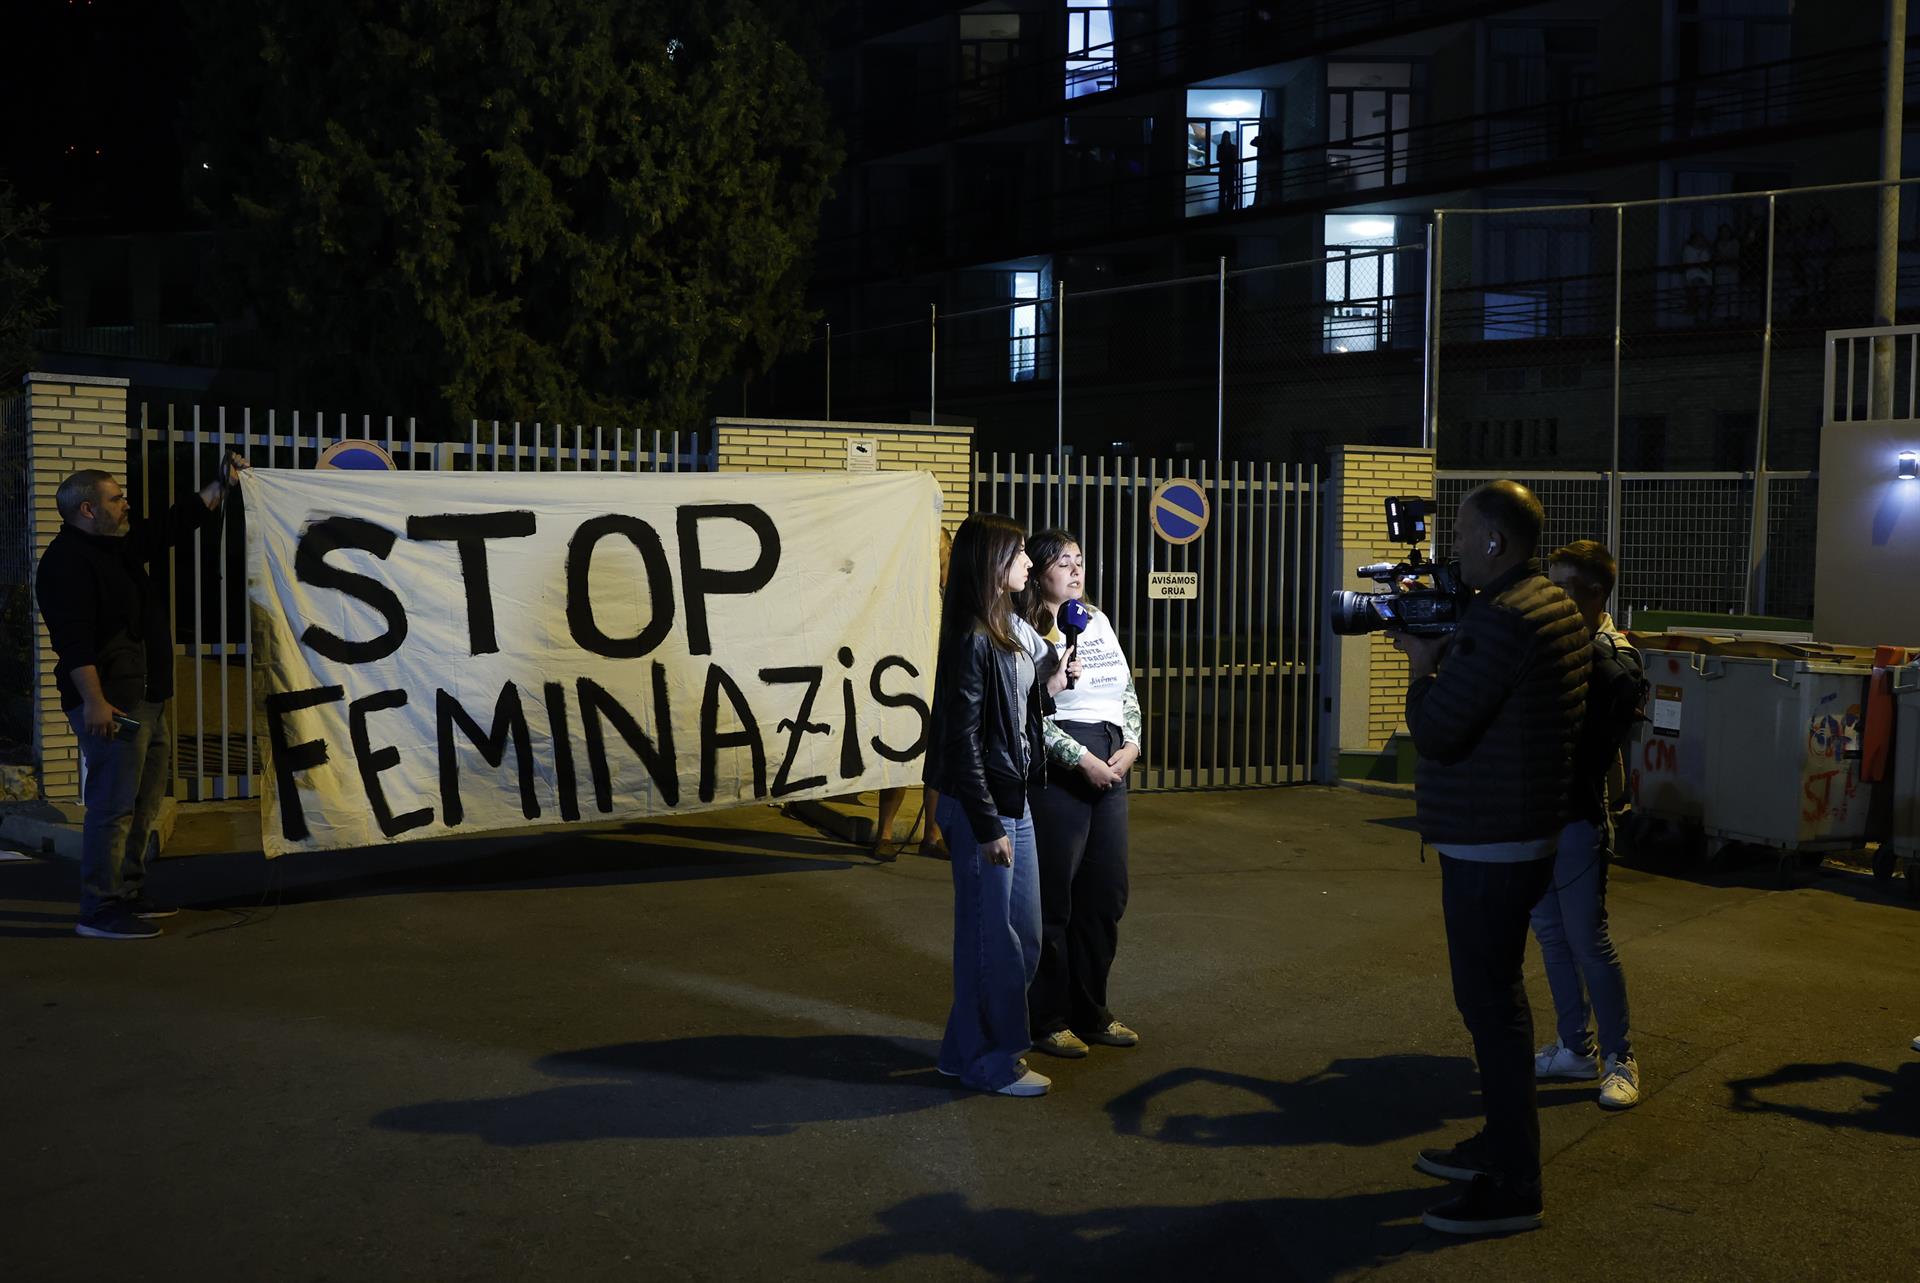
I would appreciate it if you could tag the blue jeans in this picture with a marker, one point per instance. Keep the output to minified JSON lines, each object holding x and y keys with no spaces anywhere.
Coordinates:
{"x":996,"y":950}
{"x":1570,"y":922}
{"x":126,"y":778}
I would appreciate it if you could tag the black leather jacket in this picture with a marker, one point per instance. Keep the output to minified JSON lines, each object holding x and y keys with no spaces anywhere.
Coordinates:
{"x":986,"y":748}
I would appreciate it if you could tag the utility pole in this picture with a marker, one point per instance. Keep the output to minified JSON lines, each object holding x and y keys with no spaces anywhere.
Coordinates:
{"x":1887,"y":273}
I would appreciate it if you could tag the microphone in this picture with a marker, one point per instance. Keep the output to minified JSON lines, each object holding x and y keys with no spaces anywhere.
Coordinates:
{"x":1074,"y":618}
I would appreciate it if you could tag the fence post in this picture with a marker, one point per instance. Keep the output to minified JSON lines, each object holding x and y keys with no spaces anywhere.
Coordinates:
{"x":1430,"y":427}
{"x":1220,"y":384}
{"x":1887,"y":265}
{"x":1058,"y":496}
{"x":1754,"y":602}
{"x":1613,"y":474}
{"x":1426,"y":345}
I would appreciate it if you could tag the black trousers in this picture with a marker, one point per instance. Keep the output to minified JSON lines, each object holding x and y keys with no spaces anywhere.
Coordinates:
{"x":1487,"y":909}
{"x":1081,"y":833}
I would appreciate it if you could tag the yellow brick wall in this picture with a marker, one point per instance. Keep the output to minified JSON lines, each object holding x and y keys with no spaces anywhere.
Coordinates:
{"x":788,"y":445}
{"x":72,"y":423}
{"x":1368,"y":478}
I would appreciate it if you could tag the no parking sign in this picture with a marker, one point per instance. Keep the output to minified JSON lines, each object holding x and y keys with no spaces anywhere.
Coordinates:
{"x":355,"y":456}
{"x":1179,"y":510}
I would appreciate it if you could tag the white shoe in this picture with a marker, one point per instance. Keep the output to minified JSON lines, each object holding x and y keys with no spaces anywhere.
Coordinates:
{"x":1027,"y":1084}
{"x":1557,"y":1060}
{"x":1620,"y":1089}
{"x":1916,"y":1044}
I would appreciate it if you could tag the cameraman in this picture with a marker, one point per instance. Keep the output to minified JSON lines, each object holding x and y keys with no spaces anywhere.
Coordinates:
{"x":1494,"y":711}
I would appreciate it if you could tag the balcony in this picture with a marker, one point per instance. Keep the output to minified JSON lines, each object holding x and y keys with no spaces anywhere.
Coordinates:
{"x":1820,"y":93}
{"x":918,"y":111}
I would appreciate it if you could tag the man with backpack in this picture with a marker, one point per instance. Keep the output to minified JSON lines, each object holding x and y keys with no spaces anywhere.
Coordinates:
{"x":1570,"y":921}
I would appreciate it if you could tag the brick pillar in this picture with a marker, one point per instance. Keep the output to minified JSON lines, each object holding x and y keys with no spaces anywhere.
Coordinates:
{"x":73,"y":421}
{"x":1367,"y":678}
{"x":805,"y":445}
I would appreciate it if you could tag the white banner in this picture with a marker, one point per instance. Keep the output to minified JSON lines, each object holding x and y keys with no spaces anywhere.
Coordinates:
{"x":443,"y":651}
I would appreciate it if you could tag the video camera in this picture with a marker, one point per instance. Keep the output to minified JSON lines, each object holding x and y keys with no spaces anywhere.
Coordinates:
{"x":1418,"y":612}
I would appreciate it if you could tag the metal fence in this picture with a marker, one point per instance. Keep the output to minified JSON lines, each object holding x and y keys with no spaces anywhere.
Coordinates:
{"x":1228,"y":682}
{"x":1279,"y":361}
{"x":1682,"y":538}
{"x":1679,"y":341}
{"x":171,"y":454}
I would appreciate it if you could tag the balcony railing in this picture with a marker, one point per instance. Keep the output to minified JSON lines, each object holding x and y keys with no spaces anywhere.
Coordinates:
{"x":1142,"y":58}
{"x":1822,"y":89}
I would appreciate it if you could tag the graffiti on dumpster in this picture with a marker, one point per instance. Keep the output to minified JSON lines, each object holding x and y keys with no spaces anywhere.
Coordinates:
{"x":1819,"y":802}
{"x":1833,"y":734}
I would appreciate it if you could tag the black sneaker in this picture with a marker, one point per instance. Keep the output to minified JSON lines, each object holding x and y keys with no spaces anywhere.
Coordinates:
{"x":1464,"y":1162}
{"x":141,"y":907}
{"x":115,"y":923}
{"x":1488,"y":1207}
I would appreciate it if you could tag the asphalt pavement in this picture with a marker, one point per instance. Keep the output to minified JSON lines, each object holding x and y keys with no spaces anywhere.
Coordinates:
{"x":703,"y":1049}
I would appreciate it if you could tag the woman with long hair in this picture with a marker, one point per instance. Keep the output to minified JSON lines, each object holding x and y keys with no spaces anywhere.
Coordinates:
{"x":1080,"y":820}
{"x":986,"y":754}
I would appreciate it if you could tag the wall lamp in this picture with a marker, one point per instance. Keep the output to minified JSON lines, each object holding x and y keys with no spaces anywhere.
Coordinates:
{"x":1909,"y":466}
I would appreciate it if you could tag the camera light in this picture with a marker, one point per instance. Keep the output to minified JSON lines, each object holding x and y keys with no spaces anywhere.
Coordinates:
{"x":1909,"y":465}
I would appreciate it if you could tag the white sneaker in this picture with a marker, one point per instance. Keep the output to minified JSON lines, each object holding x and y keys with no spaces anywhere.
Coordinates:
{"x":1557,"y":1060}
{"x":1916,"y":1044}
{"x":1620,"y":1089}
{"x":1027,"y":1084}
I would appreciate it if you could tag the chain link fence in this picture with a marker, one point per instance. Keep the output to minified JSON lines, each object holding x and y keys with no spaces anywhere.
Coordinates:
{"x":1279,"y":361}
{"x":1680,"y":341}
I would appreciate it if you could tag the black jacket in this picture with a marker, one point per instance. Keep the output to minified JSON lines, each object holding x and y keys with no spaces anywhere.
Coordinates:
{"x":986,"y":747}
{"x":106,"y":603}
{"x":1616,"y":692}
{"x":1496,"y":728}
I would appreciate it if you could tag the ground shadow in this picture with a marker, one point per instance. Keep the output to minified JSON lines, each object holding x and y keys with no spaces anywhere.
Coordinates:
{"x":727,"y":1085}
{"x":1894,"y":1109}
{"x":498,"y":862}
{"x":1270,"y":1239}
{"x":1353,"y":1102}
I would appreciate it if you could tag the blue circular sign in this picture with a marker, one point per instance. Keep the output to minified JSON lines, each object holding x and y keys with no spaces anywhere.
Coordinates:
{"x":355,"y":456}
{"x":1179,"y":511}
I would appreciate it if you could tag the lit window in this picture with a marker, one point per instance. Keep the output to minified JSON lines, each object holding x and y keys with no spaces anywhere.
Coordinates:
{"x":1223,"y":150}
{"x":1090,"y":65}
{"x":1023,"y":361}
{"x":1359,"y":292}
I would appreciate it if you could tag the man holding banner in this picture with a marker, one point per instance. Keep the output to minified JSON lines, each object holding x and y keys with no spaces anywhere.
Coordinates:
{"x":109,"y":626}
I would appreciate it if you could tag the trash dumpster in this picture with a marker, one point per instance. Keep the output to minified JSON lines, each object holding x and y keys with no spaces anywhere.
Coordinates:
{"x":1667,"y":754}
{"x":1904,"y":778}
{"x":1783,"y":766}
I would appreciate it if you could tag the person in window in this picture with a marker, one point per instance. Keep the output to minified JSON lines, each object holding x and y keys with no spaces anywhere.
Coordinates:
{"x":1080,"y":820}
{"x":1227,"y":153}
{"x":986,"y":754}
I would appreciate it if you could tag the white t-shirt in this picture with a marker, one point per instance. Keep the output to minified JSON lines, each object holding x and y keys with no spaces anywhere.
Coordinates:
{"x":1100,"y":693}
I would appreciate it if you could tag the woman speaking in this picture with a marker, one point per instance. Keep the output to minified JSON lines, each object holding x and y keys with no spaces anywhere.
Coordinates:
{"x":1080,"y":819}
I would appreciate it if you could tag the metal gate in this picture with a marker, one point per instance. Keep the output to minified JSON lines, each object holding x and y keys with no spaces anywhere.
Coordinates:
{"x":214,"y":752}
{"x":1228,"y":683}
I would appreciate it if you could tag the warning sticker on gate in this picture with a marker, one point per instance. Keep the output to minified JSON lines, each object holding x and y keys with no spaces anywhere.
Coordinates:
{"x":1173,"y":585}
{"x":1666,"y":710}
